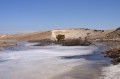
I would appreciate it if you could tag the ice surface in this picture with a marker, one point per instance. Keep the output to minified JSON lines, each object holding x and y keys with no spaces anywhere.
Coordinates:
{"x":42,"y":63}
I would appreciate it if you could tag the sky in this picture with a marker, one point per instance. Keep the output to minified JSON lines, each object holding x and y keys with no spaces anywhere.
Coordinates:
{"x":18,"y":16}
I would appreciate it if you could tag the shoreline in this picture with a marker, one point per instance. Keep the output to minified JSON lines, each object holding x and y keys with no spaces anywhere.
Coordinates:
{"x":4,"y":44}
{"x":91,"y":70}
{"x":113,"y":70}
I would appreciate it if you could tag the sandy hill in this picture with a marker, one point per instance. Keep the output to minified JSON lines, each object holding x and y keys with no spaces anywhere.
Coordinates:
{"x":81,"y":33}
{"x":69,"y":34}
{"x":27,"y":36}
{"x":115,"y":34}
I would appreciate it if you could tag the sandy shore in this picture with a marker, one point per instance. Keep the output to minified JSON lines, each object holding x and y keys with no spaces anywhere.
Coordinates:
{"x":4,"y":44}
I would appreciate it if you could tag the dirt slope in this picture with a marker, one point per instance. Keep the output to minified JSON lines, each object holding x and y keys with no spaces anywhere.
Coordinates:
{"x":115,"y":34}
{"x":69,"y":33}
{"x":28,"y":36}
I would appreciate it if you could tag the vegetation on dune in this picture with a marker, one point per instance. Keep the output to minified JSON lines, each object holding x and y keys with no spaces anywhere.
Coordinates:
{"x":75,"y":42}
{"x":114,"y":54}
{"x":5,"y":44}
{"x":43,"y":42}
{"x":60,"y":37}
{"x":62,"y":41}
{"x":114,"y":35}
{"x":72,"y":42}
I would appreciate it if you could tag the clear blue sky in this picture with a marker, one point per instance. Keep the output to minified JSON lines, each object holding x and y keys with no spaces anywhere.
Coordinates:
{"x":37,"y":15}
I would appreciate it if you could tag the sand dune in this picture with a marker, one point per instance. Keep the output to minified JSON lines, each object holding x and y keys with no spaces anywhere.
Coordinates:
{"x":69,"y":33}
{"x":27,"y":36}
{"x":74,"y":33}
{"x":81,"y":33}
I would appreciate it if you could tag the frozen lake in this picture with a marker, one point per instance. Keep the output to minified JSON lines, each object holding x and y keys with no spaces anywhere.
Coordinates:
{"x":49,"y":62}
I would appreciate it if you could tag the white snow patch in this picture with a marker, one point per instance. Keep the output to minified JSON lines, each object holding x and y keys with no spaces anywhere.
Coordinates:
{"x":111,"y":72}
